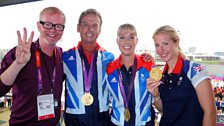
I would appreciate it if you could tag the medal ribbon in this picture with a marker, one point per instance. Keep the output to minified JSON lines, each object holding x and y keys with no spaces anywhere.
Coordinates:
{"x":39,"y":74}
{"x":88,"y":78}
{"x":131,"y":83}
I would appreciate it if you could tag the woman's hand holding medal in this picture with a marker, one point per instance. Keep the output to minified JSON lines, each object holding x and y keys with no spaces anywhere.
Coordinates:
{"x":152,"y":83}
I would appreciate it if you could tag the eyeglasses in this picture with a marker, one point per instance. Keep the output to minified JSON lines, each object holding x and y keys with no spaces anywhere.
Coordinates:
{"x":49,"y":25}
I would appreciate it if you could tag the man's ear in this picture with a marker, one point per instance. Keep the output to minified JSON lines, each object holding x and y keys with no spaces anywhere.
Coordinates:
{"x":78,"y":28}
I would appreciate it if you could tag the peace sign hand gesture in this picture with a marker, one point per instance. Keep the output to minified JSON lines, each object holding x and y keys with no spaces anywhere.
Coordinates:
{"x":23,"y":53}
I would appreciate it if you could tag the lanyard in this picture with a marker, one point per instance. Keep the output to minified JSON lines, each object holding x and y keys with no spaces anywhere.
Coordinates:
{"x":39,"y":74}
{"x":88,"y":78}
{"x":131,"y":83}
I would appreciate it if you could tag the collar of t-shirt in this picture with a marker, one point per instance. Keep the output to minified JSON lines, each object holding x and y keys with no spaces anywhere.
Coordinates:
{"x":178,"y":66}
{"x":86,"y":53}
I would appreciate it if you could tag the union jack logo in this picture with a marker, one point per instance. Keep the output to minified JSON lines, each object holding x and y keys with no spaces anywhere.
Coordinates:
{"x":198,"y":68}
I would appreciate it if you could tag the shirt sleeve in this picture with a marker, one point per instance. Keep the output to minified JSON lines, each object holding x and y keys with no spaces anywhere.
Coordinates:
{"x":197,"y":73}
{"x":6,"y":62}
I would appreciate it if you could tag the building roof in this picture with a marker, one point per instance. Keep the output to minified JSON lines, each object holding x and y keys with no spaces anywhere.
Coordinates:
{"x":12,"y":2}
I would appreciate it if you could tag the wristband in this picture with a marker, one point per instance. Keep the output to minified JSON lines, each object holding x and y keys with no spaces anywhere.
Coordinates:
{"x":156,"y":99}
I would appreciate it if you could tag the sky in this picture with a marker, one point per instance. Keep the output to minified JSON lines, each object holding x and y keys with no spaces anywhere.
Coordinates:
{"x":200,"y":22}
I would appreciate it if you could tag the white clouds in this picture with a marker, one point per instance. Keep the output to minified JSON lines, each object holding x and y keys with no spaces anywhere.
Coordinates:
{"x":199,"y":21}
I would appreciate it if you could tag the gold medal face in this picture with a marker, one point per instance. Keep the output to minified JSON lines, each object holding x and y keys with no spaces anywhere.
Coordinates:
{"x":127,"y":115}
{"x":87,"y":99}
{"x":156,"y":73}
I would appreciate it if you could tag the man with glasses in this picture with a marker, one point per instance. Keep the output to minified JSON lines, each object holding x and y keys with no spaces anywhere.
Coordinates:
{"x":35,"y":72}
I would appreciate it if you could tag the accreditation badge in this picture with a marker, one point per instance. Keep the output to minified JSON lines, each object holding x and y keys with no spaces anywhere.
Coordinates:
{"x":45,"y":106}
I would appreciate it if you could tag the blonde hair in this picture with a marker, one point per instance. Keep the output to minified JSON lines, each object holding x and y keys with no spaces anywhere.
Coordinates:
{"x":126,"y":26}
{"x":51,"y":10}
{"x":172,"y":33}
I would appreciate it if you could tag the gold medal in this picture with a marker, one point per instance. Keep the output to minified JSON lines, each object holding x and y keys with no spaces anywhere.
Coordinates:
{"x":127,"y":115}
{"x":87,"y":99}
{"x":156,"y":73}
